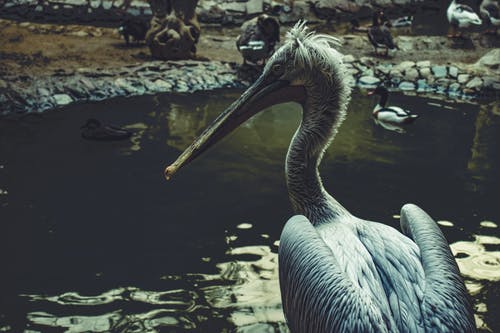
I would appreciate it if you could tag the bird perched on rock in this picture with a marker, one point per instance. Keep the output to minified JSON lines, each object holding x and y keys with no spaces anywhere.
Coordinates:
{"x":258,"y":39}
{"x":490,"y":12}
{"x":461,"y":16}
{"x":379,"y":33}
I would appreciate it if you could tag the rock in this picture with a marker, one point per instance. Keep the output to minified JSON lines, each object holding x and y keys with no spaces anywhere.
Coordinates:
{"x":454,"y":86}
{"x":383,"y":68}
{"x":368,"y":72}
{"x":411,"y":74}
{"x":439,"y":71}
{"x":395,"y":73}
{"x":369,"y":81}
{"x":475,"y":83}
{"x":422,"y":86}
{"x":62,"y":99}
{"x":491,"y":82}
{"x":367,"y":61}
{"x":423,"y":63}
{"x":163,"y":85}
{"x":300,"y":10}
{"x":79,"y":33}
{"x":453,"y":71}
{"x":462,"y":78}
{"x":405,"y":65}
{"x":349,"y":58}
{"x":406,"y":85}
{"x":254,"y":6}
{"x":490,"y":60}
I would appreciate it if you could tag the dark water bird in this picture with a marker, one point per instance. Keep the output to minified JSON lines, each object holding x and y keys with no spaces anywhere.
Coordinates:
{"x":379,"y":33}
{"x":258,"y":39}
{"x":461,"y":16}
{"x":390,"y":114}
{"x":135,"y":28}
{"x":94,"y":130}
{"x":338,"y":272}
{"x":490,"y":11}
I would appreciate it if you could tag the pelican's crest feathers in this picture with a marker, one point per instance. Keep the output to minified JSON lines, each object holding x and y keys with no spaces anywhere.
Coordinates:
{"x":312,"y":49}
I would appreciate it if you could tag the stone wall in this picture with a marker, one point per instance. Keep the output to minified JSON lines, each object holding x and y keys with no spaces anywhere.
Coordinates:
{"x":461,"y":81}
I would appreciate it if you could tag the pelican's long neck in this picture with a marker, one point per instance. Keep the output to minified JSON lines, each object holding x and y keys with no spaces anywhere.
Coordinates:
{"x":323,"y":113}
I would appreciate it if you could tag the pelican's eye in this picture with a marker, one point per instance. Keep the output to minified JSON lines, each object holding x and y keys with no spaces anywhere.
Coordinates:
{"x":278,"y":69}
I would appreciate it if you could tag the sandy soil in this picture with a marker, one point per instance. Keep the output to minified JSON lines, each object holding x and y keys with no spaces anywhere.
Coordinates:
{"x":30,"y":49}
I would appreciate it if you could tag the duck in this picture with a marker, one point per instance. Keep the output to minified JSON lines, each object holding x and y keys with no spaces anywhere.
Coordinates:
{"x":461,"y":16}
{"x":390,"y":114}
{"x":379,"y":33}
{"x":490,"y":11}
{"x":94,"y":130}
{"x":258,"y":38}
{"x":404,"y":21}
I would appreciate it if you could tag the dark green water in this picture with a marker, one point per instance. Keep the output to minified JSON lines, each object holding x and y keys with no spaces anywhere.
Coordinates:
{"x":94,"y":240}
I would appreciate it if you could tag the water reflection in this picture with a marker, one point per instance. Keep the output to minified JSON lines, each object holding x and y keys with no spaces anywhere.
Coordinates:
{"x":199,"y":253}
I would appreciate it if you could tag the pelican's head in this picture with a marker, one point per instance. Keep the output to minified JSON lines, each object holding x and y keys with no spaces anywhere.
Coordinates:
{"x":306,"y":69}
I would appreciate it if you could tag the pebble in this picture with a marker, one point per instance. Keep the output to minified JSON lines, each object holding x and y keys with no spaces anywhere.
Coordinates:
{"x":369,"y":81}
{"x":62,"y":99}
{"x":462,"y":78}
{"x":439,"y":71}
{"x":475,"y":83}
{"x":406,"y":86}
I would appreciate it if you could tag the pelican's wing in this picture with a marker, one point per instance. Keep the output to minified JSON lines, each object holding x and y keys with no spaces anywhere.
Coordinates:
{"x":446,"y":304}
{"x":316,"y":295}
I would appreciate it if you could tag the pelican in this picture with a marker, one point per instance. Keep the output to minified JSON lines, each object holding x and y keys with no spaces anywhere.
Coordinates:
{"x":461,"y":16}
{"x":338,"y":272}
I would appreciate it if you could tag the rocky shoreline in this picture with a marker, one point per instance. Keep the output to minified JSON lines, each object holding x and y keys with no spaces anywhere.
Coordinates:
{"x":21,"y":94}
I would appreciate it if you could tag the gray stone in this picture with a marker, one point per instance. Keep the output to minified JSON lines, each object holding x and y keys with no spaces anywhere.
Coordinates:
{"x":62,"y":99}
{"x":254,"y":6}
{"x":462,"y":78}
{"x":411,"y":74}
{"x":439,"y":71}
{"x":368,"y":72}
{"x":395,"y":73}
{"x":454,"y":86}
{"x":79,"y":33}
{"x":384,"y":68}
{"x":348,"y":58}
{"x":475,"y":83}
{"x":163,"y":85}
{"x":490,"y":59}
{"x":367,"y":61}
{"x":238,"y":7}
{"x":405,"y":65}
{"x":423,"y":63}
{"x":406,"y":85}
{"x":491,"y":82}
{"x":453,"y":71}
{"x":369,"y":81}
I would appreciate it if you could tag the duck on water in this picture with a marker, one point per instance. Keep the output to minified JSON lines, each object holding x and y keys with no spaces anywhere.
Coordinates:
{"x":338,"y":272}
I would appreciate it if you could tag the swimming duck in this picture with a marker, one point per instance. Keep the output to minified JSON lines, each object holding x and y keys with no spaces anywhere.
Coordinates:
{"x":390,"y":114}
{"x":379,"y":34}
{"x":490,"y":11}
{"x":93,"y":130}
{"x":461,"y":16}
{"x":258,"y":39}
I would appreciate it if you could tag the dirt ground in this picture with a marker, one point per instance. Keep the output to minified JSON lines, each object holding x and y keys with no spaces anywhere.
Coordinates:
{"x":30,"y":49}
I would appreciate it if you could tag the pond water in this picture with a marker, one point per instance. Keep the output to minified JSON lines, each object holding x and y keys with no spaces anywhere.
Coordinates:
{"x":94,"y":240}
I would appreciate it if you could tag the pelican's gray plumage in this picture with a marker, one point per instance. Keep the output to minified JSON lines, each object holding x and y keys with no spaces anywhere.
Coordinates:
{"x":340,"y":273}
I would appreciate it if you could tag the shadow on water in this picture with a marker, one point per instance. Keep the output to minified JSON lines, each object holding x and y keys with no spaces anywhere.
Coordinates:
{"x":94,"y":240}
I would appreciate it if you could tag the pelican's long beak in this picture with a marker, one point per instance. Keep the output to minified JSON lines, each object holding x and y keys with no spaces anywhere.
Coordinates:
{"x":262,"y":94}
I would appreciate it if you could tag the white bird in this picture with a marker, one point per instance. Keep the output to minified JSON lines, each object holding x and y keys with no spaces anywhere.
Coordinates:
{"x":338,"y":272}
{"x":390,"y":114}
{"x":461,"y":16}
{"x":490,"y":11}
